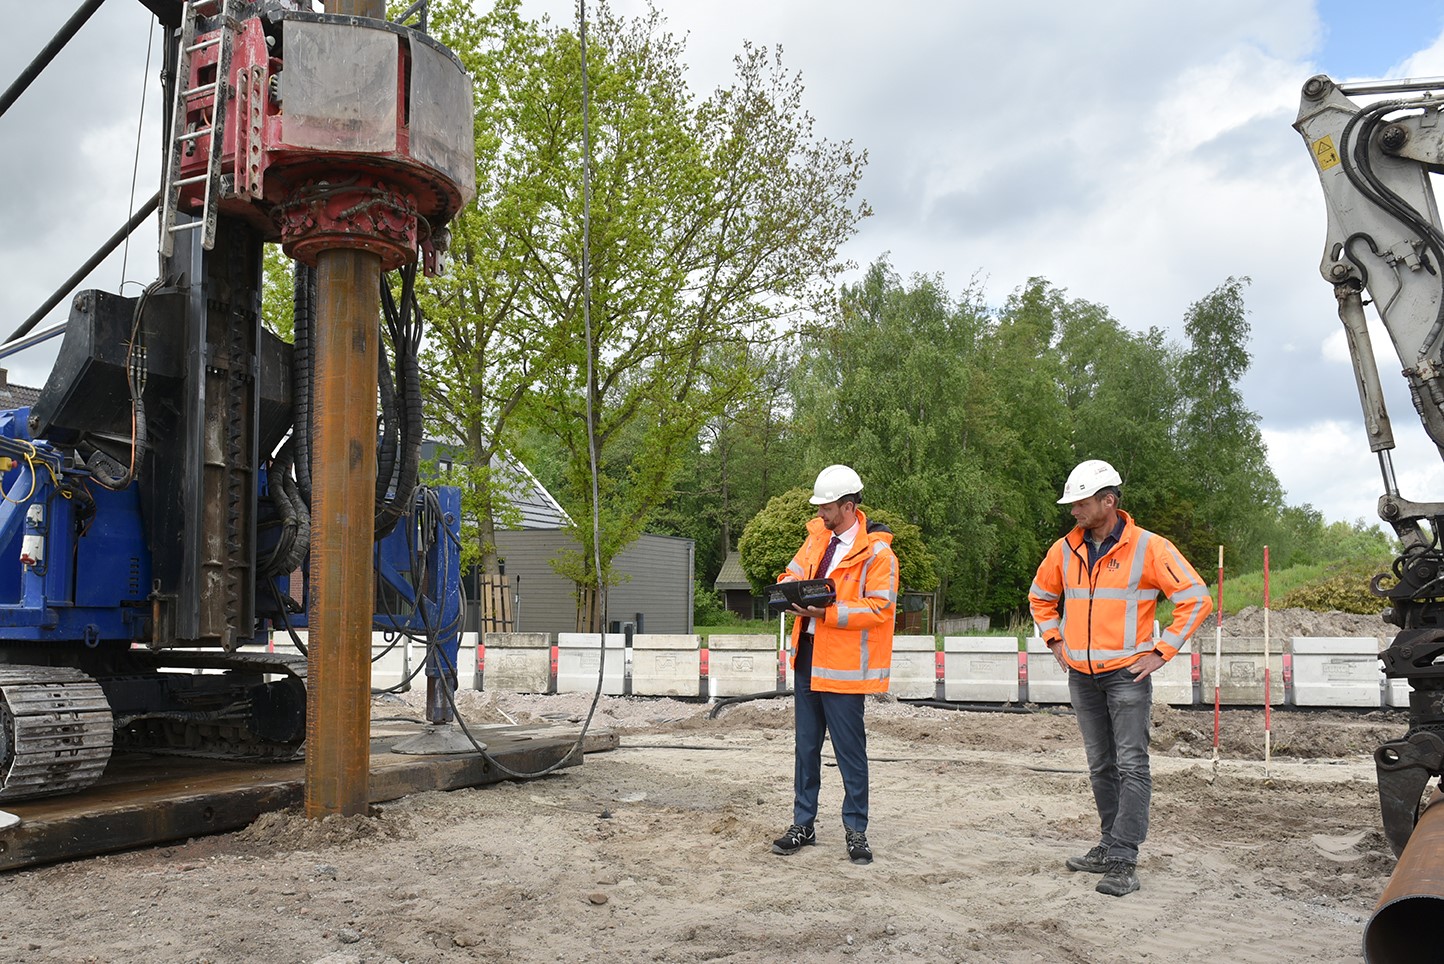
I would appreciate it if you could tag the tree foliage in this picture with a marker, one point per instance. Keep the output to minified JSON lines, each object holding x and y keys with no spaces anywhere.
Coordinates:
{"x":1344,"y":589}
{"x":711,"y":221}
{"x":775,"y":534}
{"x":969,"y":418}
{"x":896,"y":385}
{"x":1229,"y":481}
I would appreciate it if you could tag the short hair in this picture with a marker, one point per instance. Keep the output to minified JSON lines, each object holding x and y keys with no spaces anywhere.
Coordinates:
{"x":854,"y":497}
{"x":1112,"y":490}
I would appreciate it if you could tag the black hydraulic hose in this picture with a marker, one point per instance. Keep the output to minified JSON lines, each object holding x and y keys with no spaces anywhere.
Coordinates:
{"x":304,"y":287}
{"x":100,"y":255}
{"x":985,"y":707}
{"x":386,"y":452}
{"x":405,"y":323}
{"x":412,"y":415}
{"x":1360,"y":173}
{"x":734,"y":700}
{"x":295,"y":537}
{"x":42,"y":59}
{"x":419,"y":7}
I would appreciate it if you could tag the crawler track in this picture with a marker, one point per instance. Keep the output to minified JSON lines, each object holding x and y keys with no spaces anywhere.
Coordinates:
{"x":55,"y":731}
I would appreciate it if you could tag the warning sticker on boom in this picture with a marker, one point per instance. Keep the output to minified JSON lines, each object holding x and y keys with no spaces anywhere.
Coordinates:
{"x":1325,"y":153}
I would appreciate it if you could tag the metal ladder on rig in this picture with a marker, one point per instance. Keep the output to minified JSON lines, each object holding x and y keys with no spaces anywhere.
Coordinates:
{"x":183,"y":142}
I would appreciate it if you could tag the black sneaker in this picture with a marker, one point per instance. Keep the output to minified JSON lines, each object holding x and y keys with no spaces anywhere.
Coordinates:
{"x":796,"y":837}
{"x":1122,"y":878}
{"x":857,"y":849}
{"x":1094,"y":861}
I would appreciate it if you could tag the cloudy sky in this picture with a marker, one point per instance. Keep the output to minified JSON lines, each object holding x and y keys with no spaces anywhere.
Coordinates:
{"x":1133,"y":152}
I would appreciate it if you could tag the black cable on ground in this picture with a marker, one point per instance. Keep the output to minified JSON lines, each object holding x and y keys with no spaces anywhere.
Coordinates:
{"x":989,"y":707}
{"x":734,"y":700}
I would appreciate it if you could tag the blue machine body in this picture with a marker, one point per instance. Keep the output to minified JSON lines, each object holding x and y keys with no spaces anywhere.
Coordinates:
{"x":81,"y":571}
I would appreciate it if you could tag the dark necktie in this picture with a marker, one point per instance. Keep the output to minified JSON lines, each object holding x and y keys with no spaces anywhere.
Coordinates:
{"x":827,"y":558}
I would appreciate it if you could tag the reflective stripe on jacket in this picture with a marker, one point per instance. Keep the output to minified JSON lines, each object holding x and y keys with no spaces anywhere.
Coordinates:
{"x":852,"y":645}
{"x":1105,"y":619}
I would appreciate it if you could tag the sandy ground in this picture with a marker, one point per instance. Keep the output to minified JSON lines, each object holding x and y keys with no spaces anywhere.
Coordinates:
{"x":659,"y":851}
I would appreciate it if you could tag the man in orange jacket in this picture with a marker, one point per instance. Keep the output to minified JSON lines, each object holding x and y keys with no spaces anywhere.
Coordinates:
{"x":840,"y":653}
{"x":1093,"y":600}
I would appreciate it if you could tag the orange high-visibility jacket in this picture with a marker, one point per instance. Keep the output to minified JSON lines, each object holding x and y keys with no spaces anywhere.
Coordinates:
{"x":1106,"y":617}
{"x":852,"y":645}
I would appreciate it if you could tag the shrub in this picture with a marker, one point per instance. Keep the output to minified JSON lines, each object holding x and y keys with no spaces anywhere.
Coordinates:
{"x":1344,"y":588}
{"x":707,"y":608}
{"x":773,"y":535}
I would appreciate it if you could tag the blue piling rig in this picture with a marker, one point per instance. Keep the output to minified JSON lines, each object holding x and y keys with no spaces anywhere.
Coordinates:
{"x":82,"y":671}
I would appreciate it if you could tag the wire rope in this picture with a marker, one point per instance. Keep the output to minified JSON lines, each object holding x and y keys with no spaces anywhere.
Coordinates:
{"x":139,"y":130}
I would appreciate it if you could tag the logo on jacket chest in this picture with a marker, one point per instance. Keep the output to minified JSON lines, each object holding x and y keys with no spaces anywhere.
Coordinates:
{"x":1113,"y":565}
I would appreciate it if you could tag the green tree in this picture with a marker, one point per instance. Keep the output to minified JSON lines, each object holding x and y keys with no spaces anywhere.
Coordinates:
{"x":1123,"y":406}
{"x":742,"y":458}
{"x":901,"y":386}
{"x":277,"y":291}
{"x":774,"y":535}
{"x":711,"y":223}
{"x":1034,"y":453}
{"x":1225,"y":471}
{"x":489,"y":339}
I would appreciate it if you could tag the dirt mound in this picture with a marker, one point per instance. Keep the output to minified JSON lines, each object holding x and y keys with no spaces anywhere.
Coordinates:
{"x":1287,"y":623}
{"x":1300,"y":734}
{"x":291,"y":830}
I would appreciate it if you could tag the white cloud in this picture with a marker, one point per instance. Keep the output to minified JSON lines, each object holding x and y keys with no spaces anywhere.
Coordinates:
{"x":1328,"y":464}
{"x":1136,"y":153}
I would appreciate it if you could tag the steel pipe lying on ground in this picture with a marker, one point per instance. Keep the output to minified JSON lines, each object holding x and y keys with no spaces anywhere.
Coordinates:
{"x":1405,"y":926}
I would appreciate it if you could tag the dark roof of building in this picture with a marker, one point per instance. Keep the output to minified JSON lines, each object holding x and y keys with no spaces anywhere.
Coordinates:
{"x":534,"y":504}
{"x":526,"y":493}
{"x":731,"y":575}
{"x":16,"y":396}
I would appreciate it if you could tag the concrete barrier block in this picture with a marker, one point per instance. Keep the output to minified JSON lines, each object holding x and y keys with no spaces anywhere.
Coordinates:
{"x":1241,"y":671}
{"x":740,"y":665}
{"x":1336,"y":671}
{"x":465,"y":660}
{"x":1173,"y":684}
{"x":579,"y":659}
{"x":393,"y":657}
{"x":1047,"y":681}
{"x":914,"y":674}
{"x":281,"y":642}
{"x":516,"y":663}
{"x":980,"y":669}
{"x":666,"y":665}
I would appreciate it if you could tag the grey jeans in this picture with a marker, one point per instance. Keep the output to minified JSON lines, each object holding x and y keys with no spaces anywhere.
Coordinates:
{"x":1114,"y":712}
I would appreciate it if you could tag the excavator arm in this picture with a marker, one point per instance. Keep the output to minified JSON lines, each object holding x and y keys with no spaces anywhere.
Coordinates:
{"x":1385,"y":244}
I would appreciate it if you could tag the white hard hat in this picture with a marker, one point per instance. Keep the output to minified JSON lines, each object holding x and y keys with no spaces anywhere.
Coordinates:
{"x":1087,"y":478}
{"x":833,"y":483}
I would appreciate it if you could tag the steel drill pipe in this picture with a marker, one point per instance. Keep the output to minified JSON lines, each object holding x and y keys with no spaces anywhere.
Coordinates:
{"x":343,"y":477}
{"x":1405,"y":925}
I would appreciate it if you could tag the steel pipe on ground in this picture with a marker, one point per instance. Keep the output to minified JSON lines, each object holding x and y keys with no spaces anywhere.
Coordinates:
{"x":1405,"y":925}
